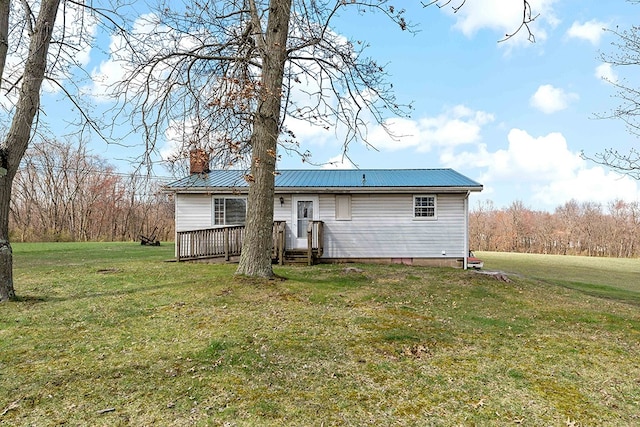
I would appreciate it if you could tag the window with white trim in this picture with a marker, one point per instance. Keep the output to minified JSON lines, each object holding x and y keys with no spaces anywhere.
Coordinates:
{"x":229,"y":210}
{"x":424,"y":207}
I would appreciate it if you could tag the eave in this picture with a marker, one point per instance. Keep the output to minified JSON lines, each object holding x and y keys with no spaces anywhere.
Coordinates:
{"x":326,"y":190}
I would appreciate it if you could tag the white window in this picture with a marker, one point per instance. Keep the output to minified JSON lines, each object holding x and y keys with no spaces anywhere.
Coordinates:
{"x":229,"y":210}
{"x":343,"y":207}
{"x":424,"y":207}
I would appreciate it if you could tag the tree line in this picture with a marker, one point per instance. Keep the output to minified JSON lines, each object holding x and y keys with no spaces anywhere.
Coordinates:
{"x":575,"y":228}
{"x":63,"y":193}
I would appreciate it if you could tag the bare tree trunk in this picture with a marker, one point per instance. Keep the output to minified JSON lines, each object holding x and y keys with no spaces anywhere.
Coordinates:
{"x":14,"y":146}
{"x":5,"y":7}
{"x":256,"y":258}
{"x":6,"y":253}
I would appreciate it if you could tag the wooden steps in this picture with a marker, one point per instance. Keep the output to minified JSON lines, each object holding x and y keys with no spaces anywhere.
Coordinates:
{"x":300,"y":256}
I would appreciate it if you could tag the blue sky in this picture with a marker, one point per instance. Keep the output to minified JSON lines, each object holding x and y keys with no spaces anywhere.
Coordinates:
{"x":513,"y":115}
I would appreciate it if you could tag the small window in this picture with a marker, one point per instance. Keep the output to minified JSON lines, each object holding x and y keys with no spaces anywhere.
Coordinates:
{"x":229,"y":211}
{"x":424,"y":207}
{"x":343,"y":207}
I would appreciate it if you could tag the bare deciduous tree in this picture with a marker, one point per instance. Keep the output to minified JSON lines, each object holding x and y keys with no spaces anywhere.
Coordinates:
{"x":14,"y":144}
{"x":625,"y":54}
{"x":39,"y":41}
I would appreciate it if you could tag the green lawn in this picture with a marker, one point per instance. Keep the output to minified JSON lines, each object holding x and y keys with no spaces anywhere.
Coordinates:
{"x":606,"y":277}
{"x":108,"y":334}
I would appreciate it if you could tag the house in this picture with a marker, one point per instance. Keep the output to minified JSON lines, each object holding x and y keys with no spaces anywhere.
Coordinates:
{"x":415,"y":216}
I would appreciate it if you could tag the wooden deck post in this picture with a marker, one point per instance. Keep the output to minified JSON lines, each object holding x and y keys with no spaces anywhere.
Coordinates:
{"x":192,"y":245}
{"x":281,"y":238}
{"x":320,"y":238}
{"x":178,"y":246}
{"x":310,"y":243}
{"x":225,"y":237}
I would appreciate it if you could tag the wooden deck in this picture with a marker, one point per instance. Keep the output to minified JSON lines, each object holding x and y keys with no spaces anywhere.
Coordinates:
{"x":225,"y":243}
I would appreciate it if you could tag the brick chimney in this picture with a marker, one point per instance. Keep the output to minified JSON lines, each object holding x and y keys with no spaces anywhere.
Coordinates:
{"x":198,"y":161}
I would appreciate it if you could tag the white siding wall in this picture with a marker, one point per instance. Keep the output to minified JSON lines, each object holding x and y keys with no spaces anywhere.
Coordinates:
{"x":193,"y":211}
{"x":284,"y":213}
{"x":383,"y":226}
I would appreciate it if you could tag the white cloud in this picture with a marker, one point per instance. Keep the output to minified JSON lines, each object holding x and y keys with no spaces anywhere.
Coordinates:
{"x":539,"y":169}
{"x":505,"y":16}
{"x":80,"y":29}
{"x":317,"y":126}
{"x":457,"y":126}
{"x":530,"y":159}
{"x":454,"y":127}
{"x":549,"y":99}
{"x":547,"y":170}
{"x":112,"y":71}
{"x":592,"y":31}
{"x":606,"y":72}
{"x":108,"y":74}
{"x":179,"y":138}
{"x":73,"y":34}
{"x":338,"y":162}
{"x":588,"y":184}
{"x":310,"y":134}
{"x":174,"y":143}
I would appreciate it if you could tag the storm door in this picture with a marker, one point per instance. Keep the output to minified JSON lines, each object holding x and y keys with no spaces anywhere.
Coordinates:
{"x":305,"y":210}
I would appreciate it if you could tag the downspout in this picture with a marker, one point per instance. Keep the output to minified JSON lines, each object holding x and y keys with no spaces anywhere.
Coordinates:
{"x":466,"y":230}
{"x":176,"y":248}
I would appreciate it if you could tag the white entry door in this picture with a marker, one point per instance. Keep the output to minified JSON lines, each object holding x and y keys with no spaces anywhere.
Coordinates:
{"x":305,"y":209}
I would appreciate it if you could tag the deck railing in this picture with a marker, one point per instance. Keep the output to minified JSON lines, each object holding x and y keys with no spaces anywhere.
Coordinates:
{"x":279,"y":241}
{"x":209,"y":243}
{"x":225,"y":242}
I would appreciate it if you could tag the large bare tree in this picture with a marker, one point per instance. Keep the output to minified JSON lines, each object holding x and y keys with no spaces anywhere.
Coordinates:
{"x":227,"y":76}
{"x":40,"y":41}
{"x":27,"y":104}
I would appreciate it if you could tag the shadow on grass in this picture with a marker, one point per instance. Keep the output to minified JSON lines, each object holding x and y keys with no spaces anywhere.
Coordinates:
{"x":329,"y":279}
{"x":30,"y":299}
{"x":36,"y":299}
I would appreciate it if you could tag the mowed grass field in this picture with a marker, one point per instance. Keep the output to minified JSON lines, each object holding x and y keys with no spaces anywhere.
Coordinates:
{"x":617,"y":278}
{"x":109,"y":334}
